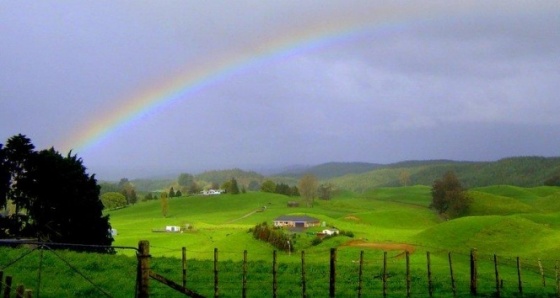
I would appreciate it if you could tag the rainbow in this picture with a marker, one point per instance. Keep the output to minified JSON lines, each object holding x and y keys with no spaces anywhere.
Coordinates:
{"x":194,"y":79}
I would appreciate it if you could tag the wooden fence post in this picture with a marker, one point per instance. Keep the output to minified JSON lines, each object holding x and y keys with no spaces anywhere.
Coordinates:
{"x":332,"y":279}
{"x":497,"y":276}
{"x":473,"y":272}
{"x":8,"y":287}
{"x":542,"y":273}
{"x":216,"y":281}
{"x":244,"y":288}
{"x":360,"y":274}
{"x":430,"y":285}
{"x":519,"y":282}
{"x":384,"y":275}
{"x":274,"y":279}
{"x":20,"y":289}
{"x":557,"y":277}
{"x":28,"y":293}
{"x":453,"y":286}
{"x":184,"y":265}
{"x":143,"y":269}
{"x":303,"y":285}
{"x":407,"y":254}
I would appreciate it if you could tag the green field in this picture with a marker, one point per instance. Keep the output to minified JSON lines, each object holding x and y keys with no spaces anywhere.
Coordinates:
{"x":506,"y":221}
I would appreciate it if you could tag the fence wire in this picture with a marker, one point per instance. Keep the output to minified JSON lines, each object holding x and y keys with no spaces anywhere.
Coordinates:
{"x":58,"y":272}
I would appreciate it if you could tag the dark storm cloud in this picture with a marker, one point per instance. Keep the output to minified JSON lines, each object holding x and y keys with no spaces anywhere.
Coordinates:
{"x":474,"y":80}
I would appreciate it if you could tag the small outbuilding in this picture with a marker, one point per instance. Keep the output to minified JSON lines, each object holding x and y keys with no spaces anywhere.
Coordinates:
{"x":172,"y":229}
{"x":296,"y":221}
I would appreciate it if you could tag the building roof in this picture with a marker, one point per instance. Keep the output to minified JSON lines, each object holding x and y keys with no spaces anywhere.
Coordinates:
{"x":300,"y":218}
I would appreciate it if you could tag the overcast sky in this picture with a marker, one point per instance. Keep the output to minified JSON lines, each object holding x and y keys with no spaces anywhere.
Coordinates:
{"x":285,"y":82}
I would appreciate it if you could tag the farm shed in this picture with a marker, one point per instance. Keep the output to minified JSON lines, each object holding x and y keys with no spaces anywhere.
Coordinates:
{"x":297,"y":221}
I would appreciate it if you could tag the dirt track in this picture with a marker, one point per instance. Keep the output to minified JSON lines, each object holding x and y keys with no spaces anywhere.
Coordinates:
{"x":382,"y":246}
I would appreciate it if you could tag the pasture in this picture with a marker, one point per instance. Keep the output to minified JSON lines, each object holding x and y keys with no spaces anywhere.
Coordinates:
{"x":506,"y":221}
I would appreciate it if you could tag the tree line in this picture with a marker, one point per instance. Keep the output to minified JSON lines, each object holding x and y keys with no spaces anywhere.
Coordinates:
{"x":49,"y":197}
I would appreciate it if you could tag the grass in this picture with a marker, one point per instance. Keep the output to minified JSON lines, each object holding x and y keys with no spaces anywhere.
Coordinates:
{"x":504,"y":220}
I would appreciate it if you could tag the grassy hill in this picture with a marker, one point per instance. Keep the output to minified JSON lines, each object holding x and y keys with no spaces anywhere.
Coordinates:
{"x":518,"y":171}
{"x":503,"y":219}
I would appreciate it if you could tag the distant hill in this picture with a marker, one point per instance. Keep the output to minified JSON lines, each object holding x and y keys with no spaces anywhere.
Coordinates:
{"x":526,"y":171}
{"x":331,"y":170}
{"x":518,"y":171}
{"x":221,"y":176}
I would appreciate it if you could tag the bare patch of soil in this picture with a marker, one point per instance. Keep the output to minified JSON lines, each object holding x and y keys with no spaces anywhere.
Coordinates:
{"x":382,"y":246}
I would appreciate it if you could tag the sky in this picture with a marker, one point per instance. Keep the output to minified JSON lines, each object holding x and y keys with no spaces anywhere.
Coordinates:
{"x":146,"y":88}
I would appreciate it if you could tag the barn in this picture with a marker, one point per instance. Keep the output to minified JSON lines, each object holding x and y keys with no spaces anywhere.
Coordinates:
{"x":296,"y":221}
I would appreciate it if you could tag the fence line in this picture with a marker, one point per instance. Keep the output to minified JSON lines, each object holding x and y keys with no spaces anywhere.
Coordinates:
{"x":339,"y":272}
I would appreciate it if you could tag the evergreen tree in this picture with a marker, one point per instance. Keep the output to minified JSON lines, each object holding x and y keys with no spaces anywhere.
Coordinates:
{"x":64,"y":201}
{"x":171,"y":192}
{"x":178,"y":193}
{"x":233,"y":187}
{"x":56,"y":200}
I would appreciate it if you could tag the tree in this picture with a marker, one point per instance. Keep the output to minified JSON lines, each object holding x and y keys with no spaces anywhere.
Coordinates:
{"x":171,"y":192}
{"x":64,"y":203}
{"x":185,"y":179}
{"x":194,"y":188}
{"x":308,"y":185}
{"x":254,"y":185}
{"x":19,"y":152}
{"x":448,"y":196}
{"x":226,"y":186}
{"x":325,"y":191}
{"x":553,"y":181}
{"x":283,"y":189}
{"x":164,"y":204}
{"x":233,"y":187}
{"x":178,"y":193}
{"x":404,"y":177}
{"x":112,"y":200}
{"x":127,"y":189}
{"x":133,"y":198}
{"x":268,"y":186}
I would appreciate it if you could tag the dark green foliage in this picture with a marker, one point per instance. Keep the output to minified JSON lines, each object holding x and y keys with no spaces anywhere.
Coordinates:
{"x":334,"y":169}
{"x":148,"y":197}
{"x":316,"y":241}
{"x":219,"y":177}
{"x":178,"y":193}
{"x":325,"y":191}
{"x":56,"y":199}
{"x":268,"y":186}
{"x":553,"y":181}
{"x":274,"y":236}
{"x":283,"y":189}
{"x":113,"y":200}
{"x":347,"y":233}
{"x":106,"y":187}
{"x":194,"y":188}
{"x":171,"y":192}
{"x":449,"y":197}
{"x":294,"y":191}
{"x":254,"y":185}
{"x":185,"y":180}
{"x":233,"y":187}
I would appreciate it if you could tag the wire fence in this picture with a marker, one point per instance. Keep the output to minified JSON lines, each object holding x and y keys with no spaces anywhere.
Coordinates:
{"x":51,"y":270}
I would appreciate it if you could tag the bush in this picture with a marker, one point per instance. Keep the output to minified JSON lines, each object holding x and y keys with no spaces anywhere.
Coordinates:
{"x":316,"y":241}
